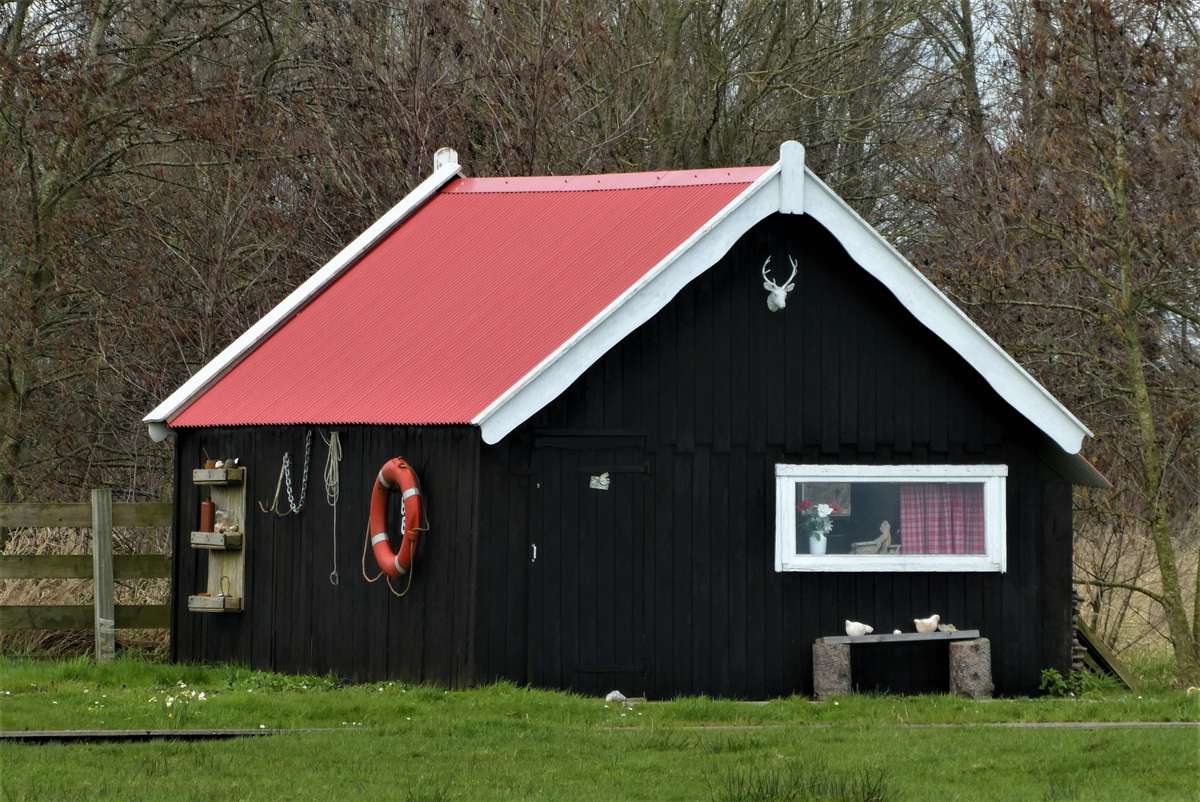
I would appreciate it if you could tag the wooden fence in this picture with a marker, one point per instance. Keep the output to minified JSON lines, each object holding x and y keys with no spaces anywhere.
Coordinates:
{"x":102,"y":567}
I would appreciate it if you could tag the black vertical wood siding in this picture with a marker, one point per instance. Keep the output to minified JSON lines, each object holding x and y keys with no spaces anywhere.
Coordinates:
{"x":294,"y":619}
{"x":721,"y":390}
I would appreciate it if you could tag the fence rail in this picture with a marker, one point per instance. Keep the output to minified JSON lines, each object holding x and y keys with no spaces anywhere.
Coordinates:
{"x":149,"y":513}
{"x":101,"y":515}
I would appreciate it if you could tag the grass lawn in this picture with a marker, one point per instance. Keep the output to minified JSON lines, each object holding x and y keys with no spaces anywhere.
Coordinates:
{"x":398,"y":742}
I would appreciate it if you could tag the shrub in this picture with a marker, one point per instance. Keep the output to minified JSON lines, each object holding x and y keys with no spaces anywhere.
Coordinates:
{"x":1077,"y":683}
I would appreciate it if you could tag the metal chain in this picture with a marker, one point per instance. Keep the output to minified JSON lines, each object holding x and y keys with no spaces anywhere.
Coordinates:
{"x":287,"y":475}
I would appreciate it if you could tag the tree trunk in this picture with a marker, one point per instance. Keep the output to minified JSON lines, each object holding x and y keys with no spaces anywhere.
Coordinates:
{"x":968,"y":70}
{"x":1183,"y":640}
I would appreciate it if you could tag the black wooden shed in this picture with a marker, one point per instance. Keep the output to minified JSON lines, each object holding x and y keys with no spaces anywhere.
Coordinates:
{"x":650,"y":461}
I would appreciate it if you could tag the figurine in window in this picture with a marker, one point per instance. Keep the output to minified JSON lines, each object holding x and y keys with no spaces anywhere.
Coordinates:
{"x":880,"y":545}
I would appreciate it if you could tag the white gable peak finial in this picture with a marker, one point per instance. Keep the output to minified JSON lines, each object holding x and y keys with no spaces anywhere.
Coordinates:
{"x":445,"y":157}
{"x":791,"y":175}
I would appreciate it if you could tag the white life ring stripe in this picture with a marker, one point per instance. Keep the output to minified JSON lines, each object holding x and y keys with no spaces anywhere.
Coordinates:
{"x":379,"y":478}
{"x":407,"y":494}
{"x":380,"y":538}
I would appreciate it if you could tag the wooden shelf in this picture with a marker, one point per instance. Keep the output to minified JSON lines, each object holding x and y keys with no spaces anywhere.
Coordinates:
{"x":215,"y":604}
{"x":217,"y":541}
{"x":224,"y":588}
{"x":218,"y":476}
{"x":903,"y":637}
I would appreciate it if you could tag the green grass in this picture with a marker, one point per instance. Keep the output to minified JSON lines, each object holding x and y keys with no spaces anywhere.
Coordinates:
{"x":502,"y":742}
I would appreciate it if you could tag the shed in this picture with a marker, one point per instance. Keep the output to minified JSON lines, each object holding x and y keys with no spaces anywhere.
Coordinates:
{"x":625,"y":451}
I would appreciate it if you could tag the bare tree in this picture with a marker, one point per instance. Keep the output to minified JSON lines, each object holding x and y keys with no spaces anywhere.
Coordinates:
{"x":1076,"y":240}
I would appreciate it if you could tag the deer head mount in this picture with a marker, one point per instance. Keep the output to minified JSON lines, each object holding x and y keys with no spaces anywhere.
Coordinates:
{"x":777,"y":293}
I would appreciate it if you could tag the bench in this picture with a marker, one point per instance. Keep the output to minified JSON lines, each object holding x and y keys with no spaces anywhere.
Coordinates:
{"x":970,"y":661}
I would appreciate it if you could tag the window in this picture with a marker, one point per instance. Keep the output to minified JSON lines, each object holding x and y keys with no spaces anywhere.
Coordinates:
{"x":890,"y":517}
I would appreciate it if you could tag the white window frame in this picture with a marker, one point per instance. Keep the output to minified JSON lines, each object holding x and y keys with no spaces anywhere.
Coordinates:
{"x":992,"y":477}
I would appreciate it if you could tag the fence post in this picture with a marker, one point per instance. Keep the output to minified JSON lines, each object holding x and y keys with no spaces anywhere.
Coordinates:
{"x":102,"y":573}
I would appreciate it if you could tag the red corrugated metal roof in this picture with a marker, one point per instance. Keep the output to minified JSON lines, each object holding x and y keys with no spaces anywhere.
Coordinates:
{"x":464,"y":298}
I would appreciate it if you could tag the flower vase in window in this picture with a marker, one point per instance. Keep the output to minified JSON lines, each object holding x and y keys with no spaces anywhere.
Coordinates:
{"x":817,"y":521}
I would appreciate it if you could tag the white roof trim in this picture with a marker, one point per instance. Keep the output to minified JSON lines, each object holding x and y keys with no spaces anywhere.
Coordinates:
{"x":790,"y":187}
{"x":787,"y":186}
{"x":446,"y":169}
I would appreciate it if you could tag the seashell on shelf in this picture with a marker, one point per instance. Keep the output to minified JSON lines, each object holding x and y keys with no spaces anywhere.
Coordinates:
{"x":856,"y":629}
{"x":927,"y":625}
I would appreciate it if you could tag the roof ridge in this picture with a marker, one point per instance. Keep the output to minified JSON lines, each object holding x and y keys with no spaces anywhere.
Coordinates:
{"x":599,"y":182}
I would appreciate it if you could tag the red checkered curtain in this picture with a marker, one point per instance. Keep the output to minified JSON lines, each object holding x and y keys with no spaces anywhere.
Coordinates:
{"x":941,"y":518}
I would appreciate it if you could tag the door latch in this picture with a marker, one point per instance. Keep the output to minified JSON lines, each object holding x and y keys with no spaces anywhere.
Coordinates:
{"x":532,"y":553}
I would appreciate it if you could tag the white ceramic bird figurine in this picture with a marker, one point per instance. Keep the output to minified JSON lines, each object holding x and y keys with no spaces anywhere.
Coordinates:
{"x":895,"y":632}
{"x":926,"y":625}
{"x":615,"y":696}
{"x":855,"y":629}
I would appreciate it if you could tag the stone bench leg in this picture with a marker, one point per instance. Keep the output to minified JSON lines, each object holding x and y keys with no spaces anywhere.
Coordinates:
{"x":831,"y":669}
{"x":971,"y":668}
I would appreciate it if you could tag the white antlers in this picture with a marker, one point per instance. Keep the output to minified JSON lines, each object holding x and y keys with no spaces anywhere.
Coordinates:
{"x":777,"y":293}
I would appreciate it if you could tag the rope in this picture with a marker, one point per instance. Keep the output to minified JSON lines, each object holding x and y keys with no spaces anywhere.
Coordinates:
{"x":274,"y":508}
{"x":333,"y":490}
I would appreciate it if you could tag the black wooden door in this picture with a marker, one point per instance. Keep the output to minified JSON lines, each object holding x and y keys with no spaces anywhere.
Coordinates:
{"x":587,"y":536}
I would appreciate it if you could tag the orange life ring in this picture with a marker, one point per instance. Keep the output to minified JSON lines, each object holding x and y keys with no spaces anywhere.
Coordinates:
{"x":396,"y":474}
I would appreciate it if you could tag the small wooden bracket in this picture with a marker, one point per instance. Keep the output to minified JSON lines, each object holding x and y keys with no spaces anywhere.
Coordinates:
{"x":215,"y":604}
{"x":217,"y":541}
{"x":218,"y":476}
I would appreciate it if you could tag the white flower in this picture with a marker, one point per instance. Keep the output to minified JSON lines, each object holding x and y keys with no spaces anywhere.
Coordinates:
{"x":202,"y":697}
{"x":262,"y":726}
{"x":824,"y":510}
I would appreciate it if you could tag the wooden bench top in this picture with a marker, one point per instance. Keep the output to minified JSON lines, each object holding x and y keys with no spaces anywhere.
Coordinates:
{"x":904,"y":637}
